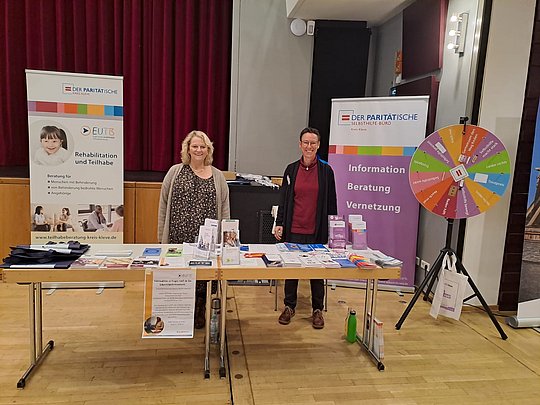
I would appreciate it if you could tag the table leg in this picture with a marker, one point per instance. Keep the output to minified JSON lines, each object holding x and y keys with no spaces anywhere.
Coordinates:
{"x":207,"y":330}
{"x":367,"y":340}
{"x":37,"y":351}
{"x":222,"y":337}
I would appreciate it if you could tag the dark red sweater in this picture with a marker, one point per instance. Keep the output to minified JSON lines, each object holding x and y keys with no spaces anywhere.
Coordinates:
{"x":306,"y":190}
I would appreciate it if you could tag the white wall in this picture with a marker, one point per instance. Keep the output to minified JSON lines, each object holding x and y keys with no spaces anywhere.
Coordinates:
{"x":455,"y":77}
{"x":271,"y":81}
{"x":500,"y":112}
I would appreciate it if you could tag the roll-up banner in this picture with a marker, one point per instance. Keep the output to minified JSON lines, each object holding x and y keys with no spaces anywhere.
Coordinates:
{"x":371,"y":144}
{"x":75,"y":125}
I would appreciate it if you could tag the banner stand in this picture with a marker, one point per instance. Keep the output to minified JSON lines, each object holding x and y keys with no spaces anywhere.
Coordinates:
{"x":75,"y":128}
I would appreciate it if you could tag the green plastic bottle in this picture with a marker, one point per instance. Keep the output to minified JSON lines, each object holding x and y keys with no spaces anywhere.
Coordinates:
{"x":351,"y":326}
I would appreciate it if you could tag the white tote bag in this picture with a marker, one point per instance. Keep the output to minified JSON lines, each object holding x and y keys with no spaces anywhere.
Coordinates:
{"x":448,"y":298}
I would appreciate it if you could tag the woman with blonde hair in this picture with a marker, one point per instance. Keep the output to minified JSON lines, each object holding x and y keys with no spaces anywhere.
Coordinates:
{"x":191,"y":192}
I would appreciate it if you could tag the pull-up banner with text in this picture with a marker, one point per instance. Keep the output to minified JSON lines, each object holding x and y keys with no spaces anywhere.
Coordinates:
{"x":75,"y":125}
{"x":371,"y":144}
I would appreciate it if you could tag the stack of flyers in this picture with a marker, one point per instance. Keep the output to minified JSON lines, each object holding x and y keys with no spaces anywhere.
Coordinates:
{"x":344,"y":263}
{"x":327,"y":261}
{"x":145,"y":262}
{"x":338,"y":254}
{"x":88,"y":262}
{"x":362,"y":262}
{"x":309,"y":261}
{"x":298,"y":247}
{"x":281,"y":247}
{"x":272,"y":260}
{"x":384,"y":260}
{"x":318,"y":247}
{"x":290,"y":259}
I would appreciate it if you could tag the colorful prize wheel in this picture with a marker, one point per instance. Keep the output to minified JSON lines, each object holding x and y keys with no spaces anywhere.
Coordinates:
{"x":457,"y":174}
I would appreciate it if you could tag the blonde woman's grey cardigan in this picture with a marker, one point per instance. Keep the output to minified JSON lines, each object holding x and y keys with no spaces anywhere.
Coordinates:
{"x":164,"y":214}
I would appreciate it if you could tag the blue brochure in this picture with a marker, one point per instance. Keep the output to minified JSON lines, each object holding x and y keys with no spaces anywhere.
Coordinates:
{"x":152,"y":251}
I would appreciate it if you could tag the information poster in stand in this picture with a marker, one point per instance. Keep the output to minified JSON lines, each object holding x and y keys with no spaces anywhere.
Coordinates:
{"x":371,"y":144}
{"x":169,"y":303}
{"x":75,"y":126}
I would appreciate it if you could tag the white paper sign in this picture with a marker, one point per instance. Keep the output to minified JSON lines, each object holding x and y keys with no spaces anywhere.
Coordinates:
{"x":169,"y":303}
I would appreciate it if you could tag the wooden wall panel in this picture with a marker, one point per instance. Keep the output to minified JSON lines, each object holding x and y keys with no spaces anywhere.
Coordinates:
{"x":14,"y":213}
{"x":141,"y":202}
{"x":129,"y":212}
{"x":146,"y":212}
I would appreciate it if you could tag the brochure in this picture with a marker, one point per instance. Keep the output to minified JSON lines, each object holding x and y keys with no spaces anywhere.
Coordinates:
{"x":327,"y":261}
{"x":298,"y":247}
{"x":309,"y":261}
{"x":214,"y":225}
{"x":204,"y":241}
{"x":152,"y":251}
{"x":172,"y":262}
{"x":88,"y":262}
{"x":230,"y":253}
{"x":230,"y":229}
{"x":272,"y":260}
{"x":145,"y":261}
{"x":174,"y":251}
{"x":290,"y":259}
{"x":117,"y":262}
{"x":344,"y":263}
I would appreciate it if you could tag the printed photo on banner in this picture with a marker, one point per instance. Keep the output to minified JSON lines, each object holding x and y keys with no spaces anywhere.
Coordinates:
{"x":54,"y":218}
{"x":50,"y":143}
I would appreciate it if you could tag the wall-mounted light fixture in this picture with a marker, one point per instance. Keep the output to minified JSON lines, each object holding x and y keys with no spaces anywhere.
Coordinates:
{"x":458,"y":32}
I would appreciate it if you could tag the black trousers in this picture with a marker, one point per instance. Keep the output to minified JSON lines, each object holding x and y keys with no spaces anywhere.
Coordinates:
{"x":291,"y":286}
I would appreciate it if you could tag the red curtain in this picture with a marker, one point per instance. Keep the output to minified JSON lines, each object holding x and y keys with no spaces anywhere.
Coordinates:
{"x":174,"y":56}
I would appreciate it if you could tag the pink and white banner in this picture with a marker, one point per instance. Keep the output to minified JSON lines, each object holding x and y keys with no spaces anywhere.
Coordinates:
{"x":371,"y":144}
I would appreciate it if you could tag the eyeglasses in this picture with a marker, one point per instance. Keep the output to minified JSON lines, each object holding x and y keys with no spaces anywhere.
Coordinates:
{"x":308,"y":143}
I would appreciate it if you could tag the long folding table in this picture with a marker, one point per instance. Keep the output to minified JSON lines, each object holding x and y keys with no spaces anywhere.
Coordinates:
{"x":372,"y":276}
{"x":34,"y":277}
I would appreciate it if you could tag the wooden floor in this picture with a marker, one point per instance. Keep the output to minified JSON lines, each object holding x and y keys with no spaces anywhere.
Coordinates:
{"x":99,"y":357}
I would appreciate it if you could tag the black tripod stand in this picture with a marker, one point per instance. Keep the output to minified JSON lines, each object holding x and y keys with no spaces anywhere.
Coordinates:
{"x":432,"y":275}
